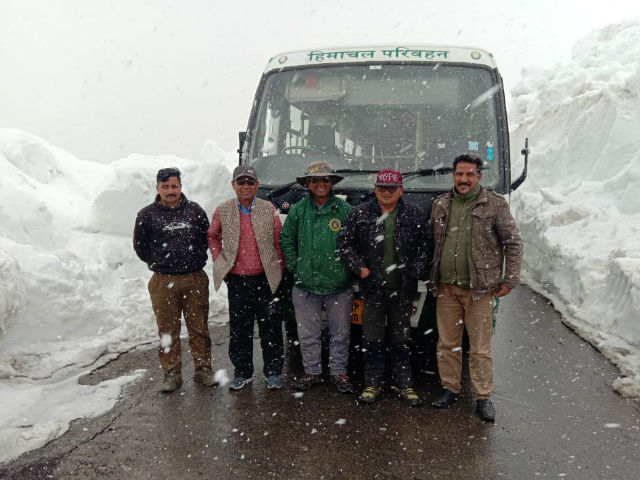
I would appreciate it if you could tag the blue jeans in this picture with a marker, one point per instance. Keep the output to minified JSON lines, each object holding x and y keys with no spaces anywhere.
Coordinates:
{"x":337,"y":307}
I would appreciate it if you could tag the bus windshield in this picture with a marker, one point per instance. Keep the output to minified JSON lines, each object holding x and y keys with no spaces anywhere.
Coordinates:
{"x":363,"y":118}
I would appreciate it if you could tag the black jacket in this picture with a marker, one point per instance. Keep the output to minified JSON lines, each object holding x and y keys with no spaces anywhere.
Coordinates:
{"x":360,"y":245}
{"x":172,"y":240}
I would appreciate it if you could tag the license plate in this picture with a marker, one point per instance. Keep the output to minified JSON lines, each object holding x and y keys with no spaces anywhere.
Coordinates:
{"x":356,"y":311}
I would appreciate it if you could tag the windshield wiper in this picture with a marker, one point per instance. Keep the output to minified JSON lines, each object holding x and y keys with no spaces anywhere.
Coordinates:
{"x":427,"y":172}
{"x":354,"y":170}
{"x":281,"y":190}
{"x":289,"y":186}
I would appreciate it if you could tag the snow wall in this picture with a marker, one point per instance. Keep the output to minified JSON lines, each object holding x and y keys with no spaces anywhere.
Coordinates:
{"x":72,"y":288}
{"x":579,"y":209}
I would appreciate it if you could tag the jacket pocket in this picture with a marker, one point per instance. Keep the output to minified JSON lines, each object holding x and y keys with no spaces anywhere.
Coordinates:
{"x":489,"y":272}
{"x":482,"y":222}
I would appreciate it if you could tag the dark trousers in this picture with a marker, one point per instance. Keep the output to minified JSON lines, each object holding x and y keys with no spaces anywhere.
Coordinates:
{"x":250,"y":299}
{"x":386,"y":327}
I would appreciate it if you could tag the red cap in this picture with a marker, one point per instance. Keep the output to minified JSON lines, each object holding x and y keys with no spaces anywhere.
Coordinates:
{"x":388,"y":177}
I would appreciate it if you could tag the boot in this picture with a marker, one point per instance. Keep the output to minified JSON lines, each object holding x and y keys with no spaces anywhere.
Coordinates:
{"x":445,"y":400}
{"x":204,"y":376}
{"x":171,"y":382}
{"x":485,"y":410}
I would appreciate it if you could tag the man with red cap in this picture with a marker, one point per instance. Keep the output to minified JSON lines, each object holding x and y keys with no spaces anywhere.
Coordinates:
{"x":385,"y":244}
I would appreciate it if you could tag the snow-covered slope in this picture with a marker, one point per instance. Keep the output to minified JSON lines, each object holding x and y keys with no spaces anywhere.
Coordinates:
{"x":73,"y":292}
{"x":579,"y":210}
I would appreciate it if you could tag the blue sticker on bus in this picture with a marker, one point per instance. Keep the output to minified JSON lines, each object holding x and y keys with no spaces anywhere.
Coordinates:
{"x":473,"y":146}
{"x":490,"y":156}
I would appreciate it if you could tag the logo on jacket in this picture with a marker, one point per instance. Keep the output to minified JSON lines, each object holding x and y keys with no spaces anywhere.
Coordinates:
{"x":335,"y":224}
{"x":176,"y":226}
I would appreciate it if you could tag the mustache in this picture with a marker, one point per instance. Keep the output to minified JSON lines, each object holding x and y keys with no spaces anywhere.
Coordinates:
{"x":464,"y":183}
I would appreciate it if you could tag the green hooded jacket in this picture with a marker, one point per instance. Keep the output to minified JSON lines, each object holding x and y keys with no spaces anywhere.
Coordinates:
{"x":308,"y":243}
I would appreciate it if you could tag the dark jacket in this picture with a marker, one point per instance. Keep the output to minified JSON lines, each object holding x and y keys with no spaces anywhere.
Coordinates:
{"x":172,"y":240}
{"x":308,"y":243}
{"x":361,"y":245}
{"x":493,"y":240}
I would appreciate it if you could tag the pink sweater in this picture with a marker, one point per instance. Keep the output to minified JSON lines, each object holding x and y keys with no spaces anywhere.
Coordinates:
{"x":248,"y":258}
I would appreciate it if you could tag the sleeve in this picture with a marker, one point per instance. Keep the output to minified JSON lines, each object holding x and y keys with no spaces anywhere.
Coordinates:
{"x":348,"y":244}
{"x":214,"y":235}
{"x":277,"y":231}
{"x":202,"y":221}
{"x":509,"y":236}
{"x":141,"y":238}
{"x":421,"y":235}
{"x":289,"y":239}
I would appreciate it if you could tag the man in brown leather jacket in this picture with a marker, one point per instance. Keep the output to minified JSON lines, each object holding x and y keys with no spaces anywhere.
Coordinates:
{"x":476,"y":258}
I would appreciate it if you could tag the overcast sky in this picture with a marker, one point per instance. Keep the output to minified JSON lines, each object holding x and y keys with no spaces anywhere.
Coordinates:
{"x":104,"y":79}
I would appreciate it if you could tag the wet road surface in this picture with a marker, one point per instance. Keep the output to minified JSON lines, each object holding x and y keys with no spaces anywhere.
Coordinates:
{"x":557,"y":417}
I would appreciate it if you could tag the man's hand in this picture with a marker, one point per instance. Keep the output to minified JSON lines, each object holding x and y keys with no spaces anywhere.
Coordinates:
{"x":365,"y":272}
{"x":502,"y":290}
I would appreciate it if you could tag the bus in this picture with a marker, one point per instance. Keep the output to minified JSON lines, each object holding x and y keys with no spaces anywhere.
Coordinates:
{"x":362,"y":109}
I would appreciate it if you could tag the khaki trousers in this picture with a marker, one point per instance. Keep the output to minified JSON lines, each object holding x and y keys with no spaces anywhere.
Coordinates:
{"x":171,"y":296}
{"x":456,"y":309}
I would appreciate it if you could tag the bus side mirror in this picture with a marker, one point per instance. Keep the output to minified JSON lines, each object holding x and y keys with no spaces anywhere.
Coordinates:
{"x":242,"y":137}
{"x":523,"y":176}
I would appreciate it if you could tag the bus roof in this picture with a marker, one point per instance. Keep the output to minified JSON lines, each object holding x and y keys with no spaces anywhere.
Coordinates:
{"x":381,"y":54}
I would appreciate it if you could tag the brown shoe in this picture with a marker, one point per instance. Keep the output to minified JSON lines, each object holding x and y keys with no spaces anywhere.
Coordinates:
{"x":171,"y":382}
{"x":204,"y":376}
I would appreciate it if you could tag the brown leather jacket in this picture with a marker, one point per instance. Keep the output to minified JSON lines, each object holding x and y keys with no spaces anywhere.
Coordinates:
{"x":494,"y":242}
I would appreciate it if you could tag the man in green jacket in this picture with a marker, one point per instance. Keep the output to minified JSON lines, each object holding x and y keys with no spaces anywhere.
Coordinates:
{"x":321,"y":279}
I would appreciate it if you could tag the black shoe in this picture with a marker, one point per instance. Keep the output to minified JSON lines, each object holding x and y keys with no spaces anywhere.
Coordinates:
{"x":485,"y":410}
{"x":445,"y":400}
{"x":306,"y":381}
{"x":342,"y":382}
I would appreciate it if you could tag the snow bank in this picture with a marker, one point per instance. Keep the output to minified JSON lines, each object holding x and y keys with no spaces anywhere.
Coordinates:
{"x":73,"y":293}
{"x":579,"y":210}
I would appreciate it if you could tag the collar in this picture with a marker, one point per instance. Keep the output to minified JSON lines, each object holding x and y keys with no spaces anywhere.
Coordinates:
{"x":183,"y":200}
{"x":472,"y":195}
{"x":324,"y":205}
{"x":246,"y":211}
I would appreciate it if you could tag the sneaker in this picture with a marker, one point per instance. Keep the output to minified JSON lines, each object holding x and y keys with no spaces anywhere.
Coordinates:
{"x":485,"y":410}
{"x":239,"y":382}
{"x":445,"y":400}
{"x":409,"y":396}
{"x":307,"y":381}
{"x":274,"y":382}
{"x":171,"y":382}
{"x":342,"y":382}
{"x":204,"y":376}
{"x":369,"y":394}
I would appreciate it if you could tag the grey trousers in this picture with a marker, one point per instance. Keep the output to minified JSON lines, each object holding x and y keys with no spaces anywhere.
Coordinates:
{"x":308,"y":308}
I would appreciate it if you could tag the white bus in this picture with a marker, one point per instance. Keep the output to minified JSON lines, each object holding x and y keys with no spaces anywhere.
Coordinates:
{"x":411,"y":108}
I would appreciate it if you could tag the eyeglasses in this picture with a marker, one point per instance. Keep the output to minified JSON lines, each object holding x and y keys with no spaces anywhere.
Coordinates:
{"x":387,"y":188}
{"x":320,"y":179}
{"x":249,"y":181}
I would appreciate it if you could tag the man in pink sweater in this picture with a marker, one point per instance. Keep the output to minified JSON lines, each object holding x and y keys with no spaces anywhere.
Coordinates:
{"x":244,"y":239}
